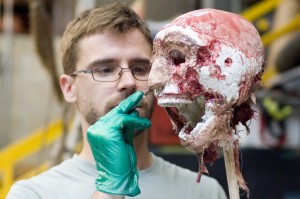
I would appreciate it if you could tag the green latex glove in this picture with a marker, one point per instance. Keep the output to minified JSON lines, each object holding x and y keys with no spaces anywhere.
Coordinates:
{"x":111,"y":141}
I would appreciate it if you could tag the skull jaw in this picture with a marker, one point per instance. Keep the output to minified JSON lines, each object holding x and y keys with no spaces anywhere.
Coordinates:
{"x":199,"y":123}
{"x":215,"y":130}
{"x":203,"y":138}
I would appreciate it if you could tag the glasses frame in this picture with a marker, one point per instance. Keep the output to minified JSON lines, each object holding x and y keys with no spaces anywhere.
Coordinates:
{"x":86,"y":71}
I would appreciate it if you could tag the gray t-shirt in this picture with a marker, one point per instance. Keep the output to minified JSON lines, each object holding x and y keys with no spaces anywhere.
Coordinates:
{"x":74,"y":178}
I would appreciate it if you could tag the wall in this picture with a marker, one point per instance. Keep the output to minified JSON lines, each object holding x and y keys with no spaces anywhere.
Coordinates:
{"x":26,"y":98}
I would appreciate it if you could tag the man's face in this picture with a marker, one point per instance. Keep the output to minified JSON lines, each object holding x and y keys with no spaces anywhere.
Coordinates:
{"x":94,"y":99}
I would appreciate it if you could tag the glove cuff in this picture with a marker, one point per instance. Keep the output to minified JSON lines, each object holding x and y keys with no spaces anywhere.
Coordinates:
{"x":121,"y":185}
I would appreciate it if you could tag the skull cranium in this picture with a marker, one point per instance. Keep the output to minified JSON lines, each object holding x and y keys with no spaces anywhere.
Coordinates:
{"x":205,"y":67}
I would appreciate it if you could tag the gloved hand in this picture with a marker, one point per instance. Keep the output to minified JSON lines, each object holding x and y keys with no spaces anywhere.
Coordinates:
{"x":111,"y":141}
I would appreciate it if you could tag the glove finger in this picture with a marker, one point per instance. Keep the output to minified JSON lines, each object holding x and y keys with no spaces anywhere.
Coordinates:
{"x":134,"y":122}
{"x":128,"y":135}
{"x":129,"y":103}
{"x":134,"y":113}
{"x":129,"y":132}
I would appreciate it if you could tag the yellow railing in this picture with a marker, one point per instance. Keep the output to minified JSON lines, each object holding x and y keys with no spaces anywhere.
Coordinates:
{"x":264,"y":7}
{"x":260,"y":9}
{"x":11,"y":155}
{"x":294,"y":24}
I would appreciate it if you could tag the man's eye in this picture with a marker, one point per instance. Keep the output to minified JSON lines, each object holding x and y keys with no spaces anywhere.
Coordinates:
{"x":140,"y":69}
{"x":104,"y":70}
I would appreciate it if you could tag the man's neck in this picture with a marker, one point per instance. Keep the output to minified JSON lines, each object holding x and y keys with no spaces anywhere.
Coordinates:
{"x":144,"y":157}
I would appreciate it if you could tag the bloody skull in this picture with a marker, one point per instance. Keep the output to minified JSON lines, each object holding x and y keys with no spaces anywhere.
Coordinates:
{"x":205,"y":67}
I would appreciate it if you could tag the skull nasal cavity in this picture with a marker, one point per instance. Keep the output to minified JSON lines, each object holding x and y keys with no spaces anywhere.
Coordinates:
{"x":177,"y":56}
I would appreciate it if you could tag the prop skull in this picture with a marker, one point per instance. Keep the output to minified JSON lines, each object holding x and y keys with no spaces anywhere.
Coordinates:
{"x":205,"y":66}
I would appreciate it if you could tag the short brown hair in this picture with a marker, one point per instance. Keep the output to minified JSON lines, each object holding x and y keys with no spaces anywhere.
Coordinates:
{"x":117,"y":18}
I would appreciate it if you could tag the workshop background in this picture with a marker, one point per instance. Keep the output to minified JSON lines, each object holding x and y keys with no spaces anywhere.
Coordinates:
{"x":38,"y":129}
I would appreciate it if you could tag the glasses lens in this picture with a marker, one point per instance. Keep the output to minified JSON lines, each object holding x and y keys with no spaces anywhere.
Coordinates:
{"x":106,"y":73}
{"x":141,"y":72}
{"x":113,"y":73}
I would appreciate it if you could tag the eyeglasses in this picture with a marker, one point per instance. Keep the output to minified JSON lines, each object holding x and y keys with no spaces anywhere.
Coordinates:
{"x":113,"y":73}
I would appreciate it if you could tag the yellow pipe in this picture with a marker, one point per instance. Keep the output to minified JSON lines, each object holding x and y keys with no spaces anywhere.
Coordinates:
{"x":268,"y":37}
{"x":7,"y":179}
{"x":34,"y":142}
{"x":259,"y":9}
{"x":18,"y":150}
{"x":36,"y":170}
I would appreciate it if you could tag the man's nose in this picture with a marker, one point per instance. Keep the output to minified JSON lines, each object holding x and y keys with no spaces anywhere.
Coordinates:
{"x":126,"y":78}
{"x":126,"y":72}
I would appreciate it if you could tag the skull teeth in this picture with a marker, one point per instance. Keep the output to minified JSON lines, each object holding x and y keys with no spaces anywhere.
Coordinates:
{"x":184,"y":114}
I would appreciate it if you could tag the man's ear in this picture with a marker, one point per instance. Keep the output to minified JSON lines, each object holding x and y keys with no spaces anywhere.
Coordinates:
{"x":68,"y":88}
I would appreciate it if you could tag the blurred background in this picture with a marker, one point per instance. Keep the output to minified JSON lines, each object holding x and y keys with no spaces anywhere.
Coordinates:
{"x":38,"y":129}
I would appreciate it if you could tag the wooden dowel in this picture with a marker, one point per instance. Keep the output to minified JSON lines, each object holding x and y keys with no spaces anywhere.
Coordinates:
{"x":233,"y":187}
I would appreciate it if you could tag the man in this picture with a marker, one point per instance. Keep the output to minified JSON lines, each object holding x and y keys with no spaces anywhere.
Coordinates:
{"x":105,"y":54}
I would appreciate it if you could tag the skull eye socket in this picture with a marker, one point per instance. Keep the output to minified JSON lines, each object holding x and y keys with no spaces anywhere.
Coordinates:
{"x":177,"y":57}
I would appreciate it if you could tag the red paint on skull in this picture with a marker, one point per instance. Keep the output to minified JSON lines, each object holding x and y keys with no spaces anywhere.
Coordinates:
{"x":203,"y":56}
{"x":215,"y":72}
{"x":178,"y":80}
{"x":192,"y":83}
{"x":242,"y":113}
{"x":221,"y":24}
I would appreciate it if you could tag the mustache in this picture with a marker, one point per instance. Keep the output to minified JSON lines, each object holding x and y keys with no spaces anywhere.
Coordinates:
{"x":116,"y":101}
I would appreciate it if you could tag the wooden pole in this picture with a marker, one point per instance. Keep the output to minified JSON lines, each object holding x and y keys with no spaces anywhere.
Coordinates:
{"x":233,"y":187}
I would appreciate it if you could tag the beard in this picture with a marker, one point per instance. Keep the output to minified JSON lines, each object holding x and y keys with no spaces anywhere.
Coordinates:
{"x":92,"y":116}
